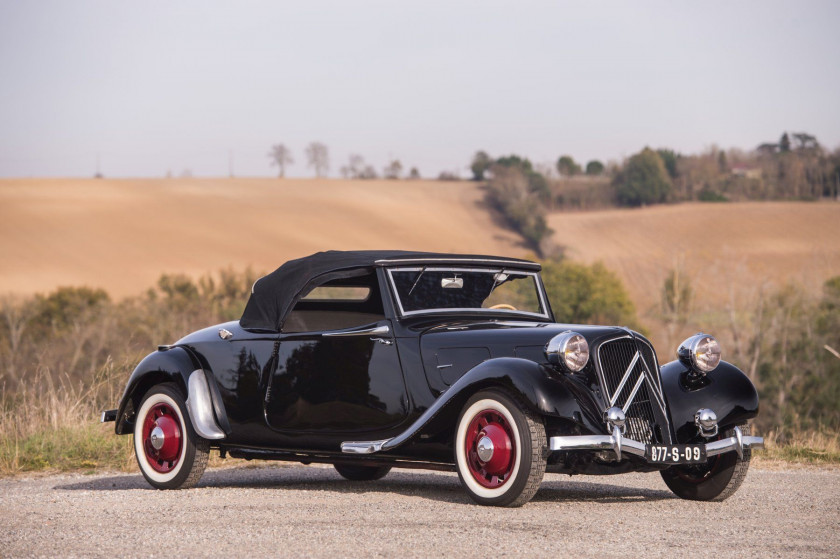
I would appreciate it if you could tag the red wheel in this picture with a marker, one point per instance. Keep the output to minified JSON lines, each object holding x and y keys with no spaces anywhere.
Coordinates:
{"x":168,"y":451}
{"x":490,"y":449}
{"x":500,"y":450}
{"x":162,"y":442}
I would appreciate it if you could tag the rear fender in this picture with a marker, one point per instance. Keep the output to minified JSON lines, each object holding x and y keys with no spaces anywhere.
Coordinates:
{"x":727,"y":391}
{"x":175,"y":365}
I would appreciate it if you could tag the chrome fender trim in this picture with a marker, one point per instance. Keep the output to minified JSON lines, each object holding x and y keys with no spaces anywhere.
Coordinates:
{"x":200,"y":407}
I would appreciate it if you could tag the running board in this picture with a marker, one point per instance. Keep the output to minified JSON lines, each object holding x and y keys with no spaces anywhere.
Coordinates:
{"x":363,"y":447}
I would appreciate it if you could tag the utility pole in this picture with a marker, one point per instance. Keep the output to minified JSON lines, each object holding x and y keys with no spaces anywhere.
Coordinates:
{"x":98,"y":174}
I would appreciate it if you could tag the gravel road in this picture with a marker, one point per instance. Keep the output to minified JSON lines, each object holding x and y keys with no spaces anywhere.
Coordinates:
{"x":311,"y":511}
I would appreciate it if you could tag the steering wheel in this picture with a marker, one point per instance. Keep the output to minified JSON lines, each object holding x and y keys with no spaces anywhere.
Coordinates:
{"x":504,"y":306}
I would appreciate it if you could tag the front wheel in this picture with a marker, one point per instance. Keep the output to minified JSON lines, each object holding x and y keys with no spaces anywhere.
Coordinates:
{"x":718,"y":479}
{"x":500,"y":450}
{"x":168,"y":451}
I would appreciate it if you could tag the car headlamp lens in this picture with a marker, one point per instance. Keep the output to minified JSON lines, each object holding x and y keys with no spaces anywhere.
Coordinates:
{"x":569,"y":349}
{"x":701,"y":352}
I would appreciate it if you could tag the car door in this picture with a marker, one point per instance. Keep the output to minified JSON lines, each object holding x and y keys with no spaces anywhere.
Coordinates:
{"x":338,"y":384}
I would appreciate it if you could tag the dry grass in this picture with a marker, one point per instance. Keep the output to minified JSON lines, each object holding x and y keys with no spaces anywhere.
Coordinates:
{"x":807,"y":447}
{"x":122,"y":234}
{"x":48,"y":425}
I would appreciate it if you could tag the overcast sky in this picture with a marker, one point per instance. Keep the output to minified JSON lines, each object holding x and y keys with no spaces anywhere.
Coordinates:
{"x":166,"y":86}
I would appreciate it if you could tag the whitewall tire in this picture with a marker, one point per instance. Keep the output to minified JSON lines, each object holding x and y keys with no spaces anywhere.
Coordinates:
{"x":500,"y":450}
{"x":168,"y":451}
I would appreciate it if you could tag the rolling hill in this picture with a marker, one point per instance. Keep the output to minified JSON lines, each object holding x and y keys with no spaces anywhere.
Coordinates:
{"x":122,"y":234}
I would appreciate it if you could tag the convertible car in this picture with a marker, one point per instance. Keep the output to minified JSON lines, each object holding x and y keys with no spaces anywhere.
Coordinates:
{"x":372,"y":360}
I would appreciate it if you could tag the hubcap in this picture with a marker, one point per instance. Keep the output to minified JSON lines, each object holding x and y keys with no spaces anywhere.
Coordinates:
{"x":490,"y":449}
{"x":162,"y":442}
{"x":157,"y":438}
{"x":485,"y":449}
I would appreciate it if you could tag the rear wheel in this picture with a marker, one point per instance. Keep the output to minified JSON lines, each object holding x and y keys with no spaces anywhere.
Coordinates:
{"x":500,"y":450}
{"x":169,"y":453}
{"x":355,"y":472}
{"x":718,"y":479}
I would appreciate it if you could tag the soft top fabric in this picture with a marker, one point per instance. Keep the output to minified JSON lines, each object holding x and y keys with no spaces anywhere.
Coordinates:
{"x":273,"y":296}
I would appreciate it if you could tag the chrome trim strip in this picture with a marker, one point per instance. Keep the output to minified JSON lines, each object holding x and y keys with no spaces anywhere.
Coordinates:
{"x":632,"y":395}
{"x":200,"y":407}
{"x":495,"y":261}
{"x":620,"y":444}
{"x":652,"y":352}
{"x":373,"y":331}
{"x":625,"y":378}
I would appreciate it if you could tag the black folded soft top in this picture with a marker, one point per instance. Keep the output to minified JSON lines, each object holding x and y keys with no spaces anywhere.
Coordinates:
{"x":273,"y":296}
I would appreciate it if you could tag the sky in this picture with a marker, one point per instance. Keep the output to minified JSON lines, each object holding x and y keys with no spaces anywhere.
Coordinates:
{"x":149,"y":88}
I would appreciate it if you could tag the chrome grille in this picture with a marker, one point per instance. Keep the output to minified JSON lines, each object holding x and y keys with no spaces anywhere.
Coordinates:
{"x":630,"y":380}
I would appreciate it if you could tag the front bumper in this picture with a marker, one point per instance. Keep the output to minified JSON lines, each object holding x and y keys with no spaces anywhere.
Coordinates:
{"x":620,"y":444}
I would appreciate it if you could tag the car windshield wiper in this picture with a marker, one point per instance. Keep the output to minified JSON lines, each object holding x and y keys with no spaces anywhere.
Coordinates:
{"x":417,"y":279}
{"x":496,"y":282}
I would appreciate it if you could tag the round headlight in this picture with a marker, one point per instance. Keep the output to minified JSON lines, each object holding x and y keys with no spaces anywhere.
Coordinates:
{"x":701,"y":352}
{"x":568,"y":349}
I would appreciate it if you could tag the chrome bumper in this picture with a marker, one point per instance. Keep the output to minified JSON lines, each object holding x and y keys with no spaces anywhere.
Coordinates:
{"x":620,"y":444}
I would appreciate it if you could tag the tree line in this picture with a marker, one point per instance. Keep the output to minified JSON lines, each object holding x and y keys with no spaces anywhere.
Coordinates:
{"x":796,"y":167}
{"x":318,"y":159}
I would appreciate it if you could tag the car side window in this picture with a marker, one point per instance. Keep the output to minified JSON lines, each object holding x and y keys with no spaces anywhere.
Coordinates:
{"x":337,"y":305}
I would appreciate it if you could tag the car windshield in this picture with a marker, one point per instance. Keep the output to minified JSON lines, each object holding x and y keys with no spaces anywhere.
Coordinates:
{"x":435,"y":289}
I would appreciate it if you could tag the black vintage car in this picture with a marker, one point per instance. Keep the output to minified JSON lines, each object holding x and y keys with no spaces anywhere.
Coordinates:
{"x":372,"y":360}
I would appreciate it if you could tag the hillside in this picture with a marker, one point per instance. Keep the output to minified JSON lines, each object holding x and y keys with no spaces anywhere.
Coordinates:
{"x":729,"y":250}
{"x":122,"y":234}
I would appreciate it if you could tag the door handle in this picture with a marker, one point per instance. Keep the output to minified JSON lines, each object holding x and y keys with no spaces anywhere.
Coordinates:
{"x":359,"y":332}
{"x":382,"y":341}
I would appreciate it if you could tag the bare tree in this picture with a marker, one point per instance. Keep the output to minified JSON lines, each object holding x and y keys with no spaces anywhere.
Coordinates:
{"x":393,"y":170}
{"x":318,"y":157}
{"x":354,"y":168}
{"x":281,"y":156}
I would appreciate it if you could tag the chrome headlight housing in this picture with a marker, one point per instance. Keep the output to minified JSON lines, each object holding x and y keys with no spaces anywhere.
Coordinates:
{"x":701,"y":352}
{"x":569,"y":349}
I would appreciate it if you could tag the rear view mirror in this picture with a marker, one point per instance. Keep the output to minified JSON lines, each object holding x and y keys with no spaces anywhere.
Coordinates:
{"x":452,"y":283}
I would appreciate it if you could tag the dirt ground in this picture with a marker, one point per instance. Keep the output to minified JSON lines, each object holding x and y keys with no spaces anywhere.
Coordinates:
{"x":312,"y":512}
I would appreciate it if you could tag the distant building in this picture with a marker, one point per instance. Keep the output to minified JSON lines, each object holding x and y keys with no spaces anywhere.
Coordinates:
{"x":747,"y":171}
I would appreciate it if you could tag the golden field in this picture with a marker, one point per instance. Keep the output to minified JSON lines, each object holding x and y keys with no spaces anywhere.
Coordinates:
{"x":728,"y":250}
{"x":121,"y":234}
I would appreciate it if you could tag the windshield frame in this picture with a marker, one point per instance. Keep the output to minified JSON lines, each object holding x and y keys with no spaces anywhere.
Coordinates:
{"x":545,"y":315}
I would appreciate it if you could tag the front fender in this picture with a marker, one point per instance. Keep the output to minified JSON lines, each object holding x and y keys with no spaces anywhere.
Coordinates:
{"x":531,"y":383}
{"x":727,"y":391}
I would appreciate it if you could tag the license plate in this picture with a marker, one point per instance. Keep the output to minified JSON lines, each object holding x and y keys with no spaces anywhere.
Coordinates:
{"x":676,"y":454}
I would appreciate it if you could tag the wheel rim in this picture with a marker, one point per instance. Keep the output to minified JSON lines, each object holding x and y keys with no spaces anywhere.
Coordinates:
{"x":489,"y":447}
{"x":162,"y":439}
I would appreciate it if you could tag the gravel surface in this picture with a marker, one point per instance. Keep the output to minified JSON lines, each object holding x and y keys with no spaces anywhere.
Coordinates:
{"x":311,"y":511}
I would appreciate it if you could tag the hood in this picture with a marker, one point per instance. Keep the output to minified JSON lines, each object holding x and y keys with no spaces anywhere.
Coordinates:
{"x":452,"y":349}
